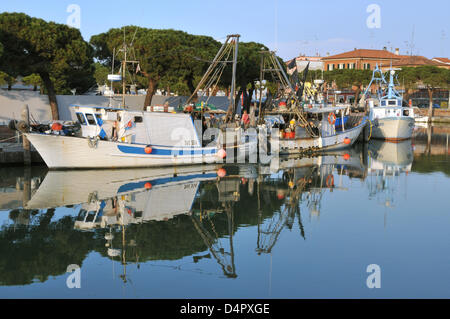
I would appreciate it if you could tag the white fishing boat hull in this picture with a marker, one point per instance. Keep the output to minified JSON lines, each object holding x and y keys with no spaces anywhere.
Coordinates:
{"x":335,"y":142}
{"x":61,"y":152}
{"x":393,"y":128}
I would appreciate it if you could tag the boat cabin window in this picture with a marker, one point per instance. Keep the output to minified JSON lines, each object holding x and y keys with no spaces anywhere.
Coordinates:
{"x":91,"y":119}
{"x":138,"y":119}
{"x":81,"y":118}
{"x":383,"y":103}
{"x":392,"y":102}
{"x":98,"y":117}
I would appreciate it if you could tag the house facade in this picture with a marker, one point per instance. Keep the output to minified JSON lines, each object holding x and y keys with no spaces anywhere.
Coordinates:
{"x":360,"y":59}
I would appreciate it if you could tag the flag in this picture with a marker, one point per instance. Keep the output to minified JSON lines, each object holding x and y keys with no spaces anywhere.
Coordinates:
{"x":302,"y":87}
{"x":292,"y":66}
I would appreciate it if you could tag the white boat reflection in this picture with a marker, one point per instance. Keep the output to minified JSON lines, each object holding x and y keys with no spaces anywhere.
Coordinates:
{"x":302,"y":182}
{"x":134,"y":195}
{"x":386,"y":163}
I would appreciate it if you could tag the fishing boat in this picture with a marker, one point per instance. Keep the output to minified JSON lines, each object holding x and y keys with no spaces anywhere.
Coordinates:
{"x":310,"y":123}
{"x":120,"y":138}
{"x":390,"y":120}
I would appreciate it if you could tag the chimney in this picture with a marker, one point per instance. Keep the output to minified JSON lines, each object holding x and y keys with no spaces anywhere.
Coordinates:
{"x":397,"y":51}
{"x":385,"y":48}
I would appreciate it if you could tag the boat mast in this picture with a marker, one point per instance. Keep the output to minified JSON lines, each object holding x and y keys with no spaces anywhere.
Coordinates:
{"x":261,"y":79}
{"x":232,"y":106}
{"x":124,"y":64}
{"x":125,"y":48}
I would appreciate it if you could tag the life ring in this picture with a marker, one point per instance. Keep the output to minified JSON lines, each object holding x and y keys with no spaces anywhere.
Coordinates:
{"x":331,"y":118}
{"x":330,"y":180}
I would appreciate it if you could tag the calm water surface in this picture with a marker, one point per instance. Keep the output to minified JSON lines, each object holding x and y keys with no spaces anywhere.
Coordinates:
{"x":294,"y":228}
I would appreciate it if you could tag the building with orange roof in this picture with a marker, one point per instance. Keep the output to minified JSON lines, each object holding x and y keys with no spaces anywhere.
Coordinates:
{"x":445,"y":62}
{"x":414,"y":61}
{"x":360,"y":59}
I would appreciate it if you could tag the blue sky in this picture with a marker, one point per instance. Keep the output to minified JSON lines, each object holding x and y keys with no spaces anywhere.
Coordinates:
{"x":288,"y":26}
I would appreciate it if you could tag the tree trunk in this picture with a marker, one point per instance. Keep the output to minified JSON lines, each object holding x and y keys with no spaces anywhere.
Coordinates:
{"x":51,"y":95}
{"x":430,"y":110}
{"x":358,"y":90}
{"x":151,"y":90}
{"x":232,"y":108}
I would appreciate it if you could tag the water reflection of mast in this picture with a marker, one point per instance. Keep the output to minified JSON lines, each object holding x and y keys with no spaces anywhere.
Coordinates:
{"x":268,"y":237}
{"x":213,"y":243}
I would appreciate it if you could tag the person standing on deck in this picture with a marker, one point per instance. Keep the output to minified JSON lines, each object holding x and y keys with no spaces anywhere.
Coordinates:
{"x":245,"y":119}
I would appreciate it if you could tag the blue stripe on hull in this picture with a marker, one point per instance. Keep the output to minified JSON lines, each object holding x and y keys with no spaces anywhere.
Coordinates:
{"x":161,"y":181}
{"x":166,"y":152}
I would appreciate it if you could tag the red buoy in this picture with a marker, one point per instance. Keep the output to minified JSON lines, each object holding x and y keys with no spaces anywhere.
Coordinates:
{"x":130,"y":124}
{"x":57,"y":127}
{"x":148,"y":185}
{"x":346,"y":156}
{"x":222,"y":153}
{"x":347,"y":140}
{"x":222,"y":172}
{"x":148,"y":150}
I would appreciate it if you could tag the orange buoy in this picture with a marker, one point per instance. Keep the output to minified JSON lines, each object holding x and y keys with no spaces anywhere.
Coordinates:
{"x":346,"y":156}
{"x":347,"y":141}
{"x":57,"y":127}
{"x":222,"y":153}
{"x":222,"y":172}
{"x":148,"y":185}
{"x":330,"y":180}
{"x":148,"y":150}
{"x":280,"y":194}
{"x":331,"y":118}
{"x":130,"y":124}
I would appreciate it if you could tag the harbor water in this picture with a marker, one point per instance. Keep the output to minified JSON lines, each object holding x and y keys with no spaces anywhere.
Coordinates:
{"x":311,"y":227}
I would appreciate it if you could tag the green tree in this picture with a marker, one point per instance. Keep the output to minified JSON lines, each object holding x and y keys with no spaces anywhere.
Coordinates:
{"x":166,"y":57}
{"x":34,"y":80}
{"x":7,"y":79}
{"x":248,"y":69}
{"x":55,"y":51}
{"x":349,"y":78}
{"x":432,"y":77}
